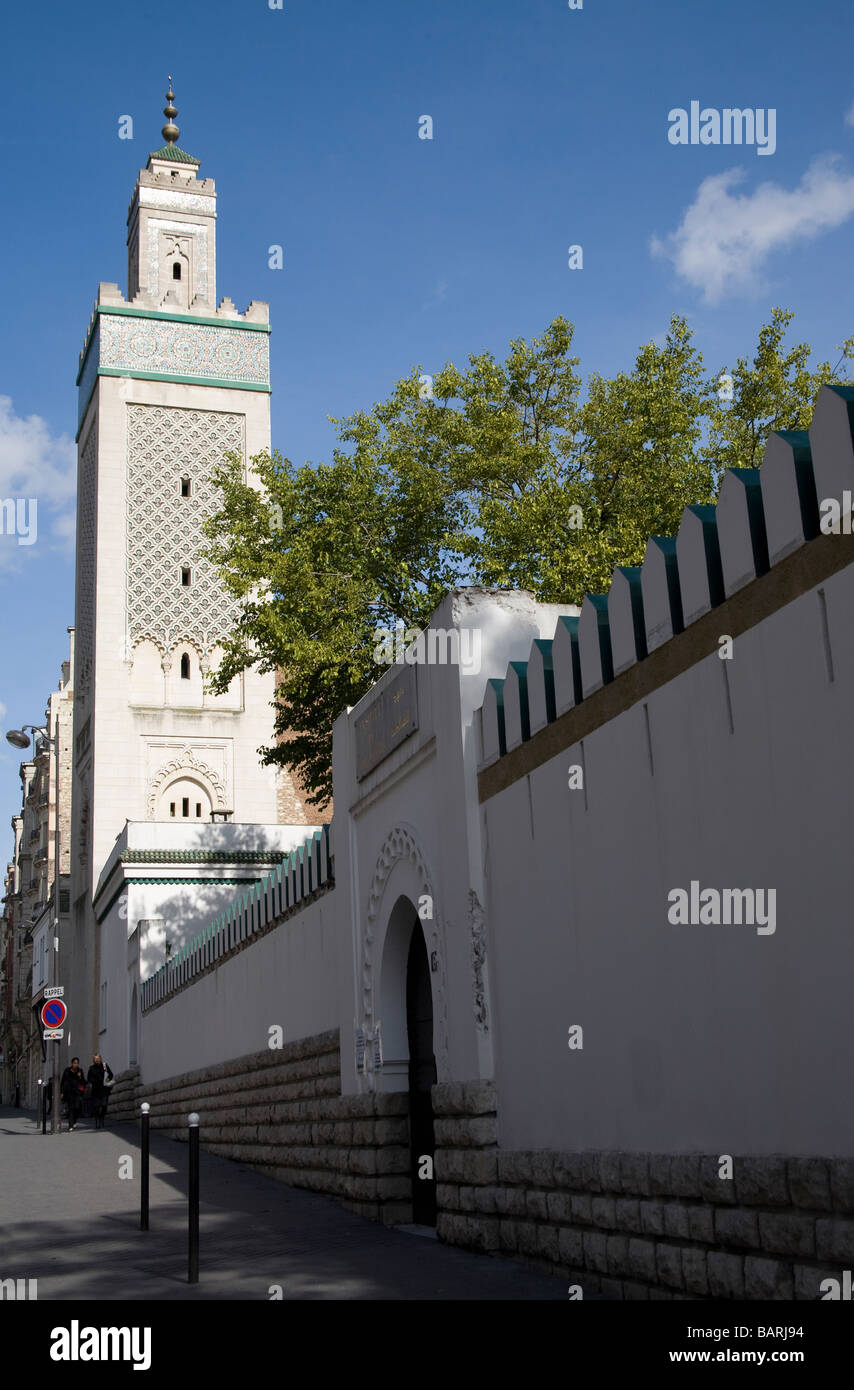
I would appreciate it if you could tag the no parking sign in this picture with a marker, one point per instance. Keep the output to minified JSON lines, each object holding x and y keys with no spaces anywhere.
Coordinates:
{"x":53,"y":1013}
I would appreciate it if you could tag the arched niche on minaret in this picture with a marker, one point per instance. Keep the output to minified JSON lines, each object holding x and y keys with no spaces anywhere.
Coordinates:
{"x":187,"y":799}
{"x":230,"y":699}
{"x":175,"y":271}
{"x":185,"y":680}
{"x":147,"y":686}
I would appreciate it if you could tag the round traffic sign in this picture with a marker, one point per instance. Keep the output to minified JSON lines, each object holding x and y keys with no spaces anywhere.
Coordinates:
{"x":53,"y":1013}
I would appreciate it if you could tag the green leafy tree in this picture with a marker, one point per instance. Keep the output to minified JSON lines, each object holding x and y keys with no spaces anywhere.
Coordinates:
{"x":320,"y":557}
{"x":499,"y":475}
{"x":592,"y":481}
{"x":777,"y":391}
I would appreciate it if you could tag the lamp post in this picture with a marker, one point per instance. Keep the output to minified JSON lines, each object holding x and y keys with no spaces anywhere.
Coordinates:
{"x":19,"y":738}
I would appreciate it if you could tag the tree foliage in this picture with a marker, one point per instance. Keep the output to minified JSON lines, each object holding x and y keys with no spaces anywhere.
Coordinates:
{"x":502,"y":475}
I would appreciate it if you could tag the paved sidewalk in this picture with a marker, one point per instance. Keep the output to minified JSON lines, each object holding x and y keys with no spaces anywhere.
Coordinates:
{"x":68,"y":1220}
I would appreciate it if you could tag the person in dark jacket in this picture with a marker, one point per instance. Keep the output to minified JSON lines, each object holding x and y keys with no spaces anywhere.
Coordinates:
{"x":100,"y":1078}
{"x":72,"y":1088}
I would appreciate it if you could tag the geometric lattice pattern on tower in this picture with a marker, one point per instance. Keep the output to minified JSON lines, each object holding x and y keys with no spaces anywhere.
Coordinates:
{"x":164,"y":529}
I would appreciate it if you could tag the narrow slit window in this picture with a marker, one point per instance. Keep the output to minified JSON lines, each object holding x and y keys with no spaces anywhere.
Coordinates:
{"x":185,"y":487}
{"x":176,"y":270}
{"x":198,"y":810}
{"x":185,"y":576}
{"x":185,"y":667}
{"x":185,"y":807}
{"x":171,"y":808}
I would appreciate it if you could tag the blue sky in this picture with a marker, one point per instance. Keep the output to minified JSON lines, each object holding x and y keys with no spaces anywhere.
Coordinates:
{"x":550,"y":129}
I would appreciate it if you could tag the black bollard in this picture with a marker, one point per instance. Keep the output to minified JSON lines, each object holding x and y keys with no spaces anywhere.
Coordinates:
{"x":143,"y":1176}
{"x":43,"y":1092}
{"x":193,"y":1255}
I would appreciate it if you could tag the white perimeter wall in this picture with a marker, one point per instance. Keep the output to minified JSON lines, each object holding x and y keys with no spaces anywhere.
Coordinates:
{"x":288,"y":977}
{"x":707,"y":1038}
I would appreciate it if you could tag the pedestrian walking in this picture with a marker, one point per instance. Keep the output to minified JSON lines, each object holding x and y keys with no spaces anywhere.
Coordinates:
{"x":72,"y":1088}
{"x":99,"y":1079}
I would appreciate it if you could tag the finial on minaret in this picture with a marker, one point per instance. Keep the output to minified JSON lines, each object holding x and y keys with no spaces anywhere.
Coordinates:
{"x":170,"y":131}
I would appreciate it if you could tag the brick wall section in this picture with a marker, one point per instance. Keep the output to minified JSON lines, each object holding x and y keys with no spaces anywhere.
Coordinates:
{"x":291,"y":804}
{"x":282,"y":1113}
{"x":292,"y":800}
{"x":642,"y":1226}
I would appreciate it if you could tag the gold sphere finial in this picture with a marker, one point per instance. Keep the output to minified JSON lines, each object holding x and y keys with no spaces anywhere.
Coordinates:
{"x":170,"y":131}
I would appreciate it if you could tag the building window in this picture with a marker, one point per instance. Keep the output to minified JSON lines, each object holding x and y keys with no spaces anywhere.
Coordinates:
{"x":185,"y":807}
{"x":176,"y":270}
{"x":185,"y":576}
{"x":171,"y":808}
{"x":185,"y":487}
{"x":198,"y":810}
{"x":185,"y":667}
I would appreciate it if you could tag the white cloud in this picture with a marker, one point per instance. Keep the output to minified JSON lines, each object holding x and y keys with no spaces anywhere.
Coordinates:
{"x":725,"y":238}
{"x":37,"y":464}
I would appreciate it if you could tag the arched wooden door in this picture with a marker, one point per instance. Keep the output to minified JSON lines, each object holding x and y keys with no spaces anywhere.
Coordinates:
{"x":422,"y":1076}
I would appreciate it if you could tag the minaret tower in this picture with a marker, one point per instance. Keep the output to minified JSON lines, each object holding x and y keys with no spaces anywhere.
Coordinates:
{"x":170,"y":381}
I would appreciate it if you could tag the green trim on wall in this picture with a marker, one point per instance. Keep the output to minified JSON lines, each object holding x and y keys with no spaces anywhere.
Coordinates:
{"x":796,"y":574}
{"x":86,"y":346}
{"x":184,"y":380}
{"x":155,"y":376}
{"x":129,"y":311}
{"x":204,"y":856}
{"x":193,"y":880}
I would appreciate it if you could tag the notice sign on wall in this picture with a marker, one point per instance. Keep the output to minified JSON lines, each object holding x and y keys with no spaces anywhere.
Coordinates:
{"x":369,"y":1050}
{"x":388,"y":720}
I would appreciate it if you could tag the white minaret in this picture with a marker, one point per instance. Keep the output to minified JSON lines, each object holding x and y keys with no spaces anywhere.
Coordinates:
{"x":169,"y":383}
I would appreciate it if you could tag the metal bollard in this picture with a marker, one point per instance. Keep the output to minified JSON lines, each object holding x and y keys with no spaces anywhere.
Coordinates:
{"x":43,"y":1105}
{"x":193,"y":1253}
{"x":143,"y":1177}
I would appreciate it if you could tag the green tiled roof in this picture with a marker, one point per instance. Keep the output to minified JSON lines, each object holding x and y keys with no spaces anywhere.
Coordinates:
{"x":203,"y":856}
{"x":172,"y":152}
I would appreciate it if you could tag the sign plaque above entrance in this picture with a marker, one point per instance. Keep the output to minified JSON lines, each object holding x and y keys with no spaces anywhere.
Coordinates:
{"x":388,"y":720}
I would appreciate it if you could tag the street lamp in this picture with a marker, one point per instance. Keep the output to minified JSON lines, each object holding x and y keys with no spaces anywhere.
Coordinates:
{"x":19,"y":738}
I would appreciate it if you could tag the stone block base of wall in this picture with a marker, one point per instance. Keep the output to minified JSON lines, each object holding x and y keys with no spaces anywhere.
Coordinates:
{"x":282,"y":1113}
{"x":642,"y":1226}
{"x":622,"y":1225}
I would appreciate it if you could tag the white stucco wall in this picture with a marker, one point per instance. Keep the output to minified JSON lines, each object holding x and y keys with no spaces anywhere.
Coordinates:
{"x":703,"y":1037}
{"x":170,"y":898}
{"x":288,"y":977}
